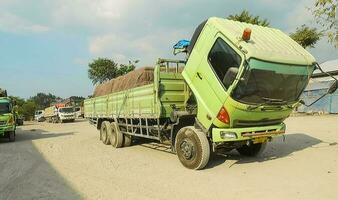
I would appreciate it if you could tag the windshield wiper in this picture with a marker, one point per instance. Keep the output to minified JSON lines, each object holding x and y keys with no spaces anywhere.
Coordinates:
{"x":274,"y":101}
{"x":268,"y":101}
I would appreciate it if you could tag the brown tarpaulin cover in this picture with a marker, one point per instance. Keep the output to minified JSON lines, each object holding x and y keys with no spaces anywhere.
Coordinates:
{"x":138,"y":77}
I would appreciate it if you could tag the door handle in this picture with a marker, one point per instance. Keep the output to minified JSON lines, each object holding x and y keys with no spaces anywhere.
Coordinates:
{"x":199,"y":75}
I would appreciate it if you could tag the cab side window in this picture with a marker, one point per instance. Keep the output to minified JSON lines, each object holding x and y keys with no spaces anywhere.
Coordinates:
{"x":221,"y":57}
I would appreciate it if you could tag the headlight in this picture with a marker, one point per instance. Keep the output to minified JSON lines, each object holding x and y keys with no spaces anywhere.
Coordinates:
{"x":228,"y":135}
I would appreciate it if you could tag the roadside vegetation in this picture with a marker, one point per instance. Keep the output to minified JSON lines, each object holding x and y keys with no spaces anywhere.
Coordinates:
{"x":27,"y":107}
{"x":105,"y":69}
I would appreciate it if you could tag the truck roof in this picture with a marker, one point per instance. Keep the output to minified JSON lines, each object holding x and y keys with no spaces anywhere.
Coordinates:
{"x":5,"y":100}
{"x":266,"y":43}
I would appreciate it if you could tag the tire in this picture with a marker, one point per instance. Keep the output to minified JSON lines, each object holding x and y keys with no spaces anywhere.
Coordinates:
{"x":105,"y":132}
{"x":127,"y":140}
{"x":252,"y":149}
{"x":11,"y":136}
{"x":116,"y":139}
{"x":192,"y":148}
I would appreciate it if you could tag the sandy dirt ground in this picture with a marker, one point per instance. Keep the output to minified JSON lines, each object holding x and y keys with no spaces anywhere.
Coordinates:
{"x":67,"y":161}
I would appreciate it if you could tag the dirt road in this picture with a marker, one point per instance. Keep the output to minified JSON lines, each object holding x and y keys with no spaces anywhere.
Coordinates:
{"x":67,"y":161}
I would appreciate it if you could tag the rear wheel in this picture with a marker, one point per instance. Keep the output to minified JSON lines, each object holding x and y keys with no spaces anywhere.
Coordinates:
{"x":127,"y":139}
{"x":11,"y":136}
{"x":192,"y":148}
{"x":252,"y":149}
{"x":116,"y":138}
{"x":105,"y":132}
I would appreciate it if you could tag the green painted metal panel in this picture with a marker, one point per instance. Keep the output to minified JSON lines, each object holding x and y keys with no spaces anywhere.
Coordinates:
{"x":150,"y":101}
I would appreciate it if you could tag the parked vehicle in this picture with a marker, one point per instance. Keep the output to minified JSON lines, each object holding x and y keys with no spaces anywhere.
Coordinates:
{"x":19,"y":120}
{"x":239,"y":83}
{"x":79,"y":113}
{"x":59,"y":114}
{"x":39,"y":115}
{"x":7,"y":117}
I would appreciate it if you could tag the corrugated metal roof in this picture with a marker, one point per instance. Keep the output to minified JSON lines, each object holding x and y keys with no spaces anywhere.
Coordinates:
{"x":318,"y":85}
{"x":328,"y":66}
{"x":266,"y":43}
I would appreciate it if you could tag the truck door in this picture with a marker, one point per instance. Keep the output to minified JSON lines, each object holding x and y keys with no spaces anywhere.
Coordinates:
{"x":217,"y":57}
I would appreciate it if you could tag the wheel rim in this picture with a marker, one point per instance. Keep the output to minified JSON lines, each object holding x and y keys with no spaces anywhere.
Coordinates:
{"x":113,"y":136}
{"x":104,"y":134}
{"x":188,"y":149}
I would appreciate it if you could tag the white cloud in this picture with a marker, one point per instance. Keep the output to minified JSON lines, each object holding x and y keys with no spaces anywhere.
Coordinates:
{"x":300,"y":15}
{"x":15,"y":24}
{"x":147,"y":48}
{"x":87,"y":13}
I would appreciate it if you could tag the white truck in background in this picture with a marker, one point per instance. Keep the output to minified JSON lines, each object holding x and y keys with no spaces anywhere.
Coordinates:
{"x":59,"y":114}
{"x":39,"y":115}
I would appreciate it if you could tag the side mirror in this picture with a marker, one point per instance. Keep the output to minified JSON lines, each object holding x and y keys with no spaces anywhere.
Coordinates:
{"x":333,"y":87}
{"x":230,"y":76}
{"x":302,"y":102}
{"x":331,"y":90}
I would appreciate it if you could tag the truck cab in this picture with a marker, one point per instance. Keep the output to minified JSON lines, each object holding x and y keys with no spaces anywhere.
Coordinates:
{"x":246,"y":80}
{"x":39,"y":115}
{"x":7,"y":119}
{"x":66,"y":114}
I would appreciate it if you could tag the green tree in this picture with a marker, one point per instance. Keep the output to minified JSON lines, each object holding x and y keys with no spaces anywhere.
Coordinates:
{"x":306,"y":36}
{"x":28,"y":109}
{"x":76,"y":100}
{"x":245,"y":16}
{"x":101,"y":70}
{"x":43,"y":100}
{"x":124,"y":69}
{"x":325,"y":13}
{"x":18,"y":101}
{"x":104,"y":69}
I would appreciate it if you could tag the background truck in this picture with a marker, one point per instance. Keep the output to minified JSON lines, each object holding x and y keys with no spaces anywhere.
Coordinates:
{"x":39,"y":115}
{"x":7,"y":117}
{"x":58,"y":113}
{"x":239,"y":83}
{"x":79,"y":112}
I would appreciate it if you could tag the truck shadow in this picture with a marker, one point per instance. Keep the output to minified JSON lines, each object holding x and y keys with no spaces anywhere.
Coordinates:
{"x":25,"y":173}
{"x":276,"y":149}
{"x":33,"y":134}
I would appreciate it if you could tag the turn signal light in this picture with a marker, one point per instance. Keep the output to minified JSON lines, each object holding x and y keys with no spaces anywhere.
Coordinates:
{"x":246,"y":34}
{"x":223,"y":116}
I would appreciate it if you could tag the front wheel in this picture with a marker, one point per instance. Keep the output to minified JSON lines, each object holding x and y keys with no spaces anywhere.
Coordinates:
{"x":192,"y":148}
{"x":11,"y":136}
{"x":252,"y":149}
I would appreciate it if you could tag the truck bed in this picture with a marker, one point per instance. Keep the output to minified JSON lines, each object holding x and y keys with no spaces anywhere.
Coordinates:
{"x":155,"y":100}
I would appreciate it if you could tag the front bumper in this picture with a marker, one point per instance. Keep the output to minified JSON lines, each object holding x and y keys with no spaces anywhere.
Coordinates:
{"x":250,"y":133}
{"x":67,"y":117}
{"x":4,"y":129}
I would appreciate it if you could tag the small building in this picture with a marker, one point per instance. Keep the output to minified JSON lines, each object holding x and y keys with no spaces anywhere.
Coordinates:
{"x":318,"y":85}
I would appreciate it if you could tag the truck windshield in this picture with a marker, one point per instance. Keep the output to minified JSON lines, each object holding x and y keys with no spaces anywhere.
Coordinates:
{"x":271,"y":83}
{"x":4,"y":108}
{"x":66,"y":110}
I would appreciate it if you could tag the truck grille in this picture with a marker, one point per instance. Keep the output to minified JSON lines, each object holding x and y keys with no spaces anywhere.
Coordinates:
{"x":251,"y":123}
{"x":2,"y":123}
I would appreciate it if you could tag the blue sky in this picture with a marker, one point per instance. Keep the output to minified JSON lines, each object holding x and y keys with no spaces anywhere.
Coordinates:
{"x":45,"y":45}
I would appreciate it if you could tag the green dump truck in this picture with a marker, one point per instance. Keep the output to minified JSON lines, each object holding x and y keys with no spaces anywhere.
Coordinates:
{"x":7,"y":117}
{"x":234,"y":90}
